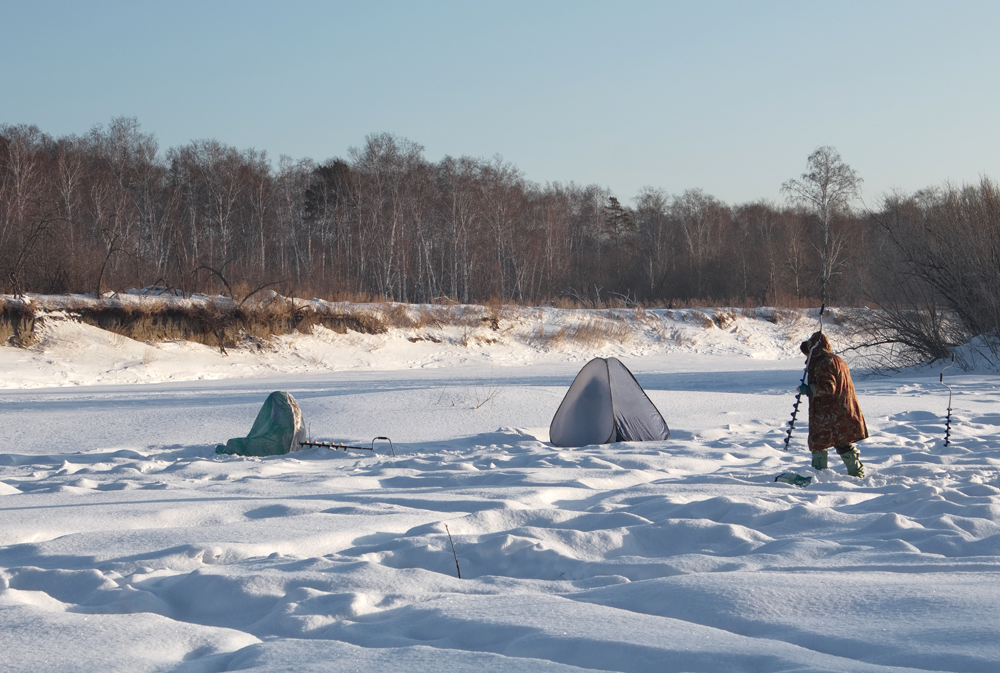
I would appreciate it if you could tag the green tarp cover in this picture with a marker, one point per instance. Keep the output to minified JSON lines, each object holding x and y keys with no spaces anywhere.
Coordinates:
{"x":278,"y":429}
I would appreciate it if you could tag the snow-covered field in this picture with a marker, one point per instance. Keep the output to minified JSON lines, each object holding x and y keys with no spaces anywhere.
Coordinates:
{"x":127,"y":544}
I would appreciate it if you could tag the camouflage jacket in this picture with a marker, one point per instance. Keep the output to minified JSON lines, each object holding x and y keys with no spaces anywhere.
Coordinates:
{"x":834,"y":415}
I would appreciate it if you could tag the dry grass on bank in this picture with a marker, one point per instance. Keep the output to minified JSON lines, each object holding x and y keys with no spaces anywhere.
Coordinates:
{"x":592,"y":334}
{"x":17,"y":323}
{"x":218,"y":323}
{"x":437,"y":316}
{"x":221,"y":323}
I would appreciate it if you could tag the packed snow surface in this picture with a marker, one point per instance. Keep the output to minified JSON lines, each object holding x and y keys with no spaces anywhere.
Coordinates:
{"x":127,"y":544}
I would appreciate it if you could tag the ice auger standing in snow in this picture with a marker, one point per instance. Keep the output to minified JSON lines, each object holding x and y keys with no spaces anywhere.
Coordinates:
{"x":805,"y":375}
{"x":947,"y":423}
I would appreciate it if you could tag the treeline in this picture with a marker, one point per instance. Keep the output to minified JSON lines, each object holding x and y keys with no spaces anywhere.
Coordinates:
{"x":109,"y":210}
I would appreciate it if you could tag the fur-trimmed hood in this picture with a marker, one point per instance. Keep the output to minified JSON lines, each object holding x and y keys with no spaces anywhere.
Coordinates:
{"x":819,"y":340}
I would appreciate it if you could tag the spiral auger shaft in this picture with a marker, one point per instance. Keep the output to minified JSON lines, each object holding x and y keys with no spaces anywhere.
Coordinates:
{"x":947,"y":422}
{"x":795,"y":412}
{"x":805,"y":375}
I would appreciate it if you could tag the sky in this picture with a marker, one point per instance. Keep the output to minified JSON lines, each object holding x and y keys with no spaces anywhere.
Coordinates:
{"x":728,"y":97}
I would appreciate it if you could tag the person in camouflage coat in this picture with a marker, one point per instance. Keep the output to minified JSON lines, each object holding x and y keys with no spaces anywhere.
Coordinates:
{"x":835,"y":418}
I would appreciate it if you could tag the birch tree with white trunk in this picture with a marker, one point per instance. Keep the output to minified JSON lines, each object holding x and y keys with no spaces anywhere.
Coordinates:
{"x":827,"y":187}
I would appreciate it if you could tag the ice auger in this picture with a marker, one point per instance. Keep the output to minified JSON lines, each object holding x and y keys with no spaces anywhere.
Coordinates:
{"x":341,"y":445}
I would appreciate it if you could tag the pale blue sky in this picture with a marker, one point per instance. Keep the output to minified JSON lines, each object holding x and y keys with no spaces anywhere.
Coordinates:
{"x":727,"y":96}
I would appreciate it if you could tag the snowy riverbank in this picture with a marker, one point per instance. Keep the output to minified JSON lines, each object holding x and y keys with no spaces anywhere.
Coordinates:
{"x":128,"y":545}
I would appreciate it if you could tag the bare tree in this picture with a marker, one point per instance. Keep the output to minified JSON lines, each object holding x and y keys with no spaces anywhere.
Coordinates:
{"x":502,"y":192}
{"x":702,"y":219}
{"x":937,"y":279}
{"x":553,"y":212}
{"x":651,"y":214}
{"x":457,"y":190}
{"x":26,"y":211}
{"x":382,"y":167}
{"x":828,"y":186}
{"x":328,"y":210}
{"x":259,"y":191}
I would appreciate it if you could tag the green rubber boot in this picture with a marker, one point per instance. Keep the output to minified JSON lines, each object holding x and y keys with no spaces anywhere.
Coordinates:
{"x":820,"y":460}
{"x":852,"y":459}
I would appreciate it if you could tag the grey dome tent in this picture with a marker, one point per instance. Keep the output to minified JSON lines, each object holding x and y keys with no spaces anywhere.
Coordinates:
{"x":606,"y":404}
{"x":278,"y":429}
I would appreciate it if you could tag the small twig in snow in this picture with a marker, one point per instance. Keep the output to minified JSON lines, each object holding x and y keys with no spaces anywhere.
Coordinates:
{"x":454,"y":553}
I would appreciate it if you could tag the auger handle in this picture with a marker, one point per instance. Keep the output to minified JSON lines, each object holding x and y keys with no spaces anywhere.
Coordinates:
{"x":391,"y":447}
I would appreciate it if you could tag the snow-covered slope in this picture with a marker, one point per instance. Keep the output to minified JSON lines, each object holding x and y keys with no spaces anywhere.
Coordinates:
{"x":128,"y":545}
{"x":68,"y":352}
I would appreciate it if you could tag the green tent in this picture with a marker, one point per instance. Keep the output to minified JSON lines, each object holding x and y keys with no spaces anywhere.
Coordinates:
{"x":278,"y":429}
